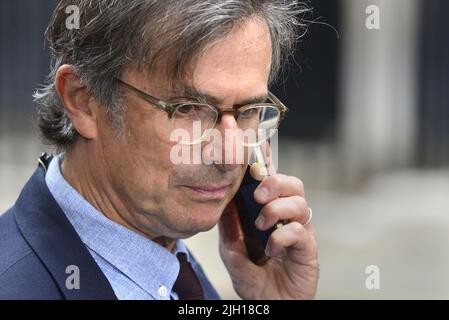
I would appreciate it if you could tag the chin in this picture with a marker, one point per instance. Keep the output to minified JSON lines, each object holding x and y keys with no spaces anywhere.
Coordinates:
{"x":199,"y":219}
{"x":207,"y":218}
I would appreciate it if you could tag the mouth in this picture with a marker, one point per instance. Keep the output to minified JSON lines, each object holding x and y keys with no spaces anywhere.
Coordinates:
{"x":208,"y":192}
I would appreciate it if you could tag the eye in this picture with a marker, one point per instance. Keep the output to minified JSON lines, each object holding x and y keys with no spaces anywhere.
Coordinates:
{"x":251,"y":112}
{"x":187,"y":109}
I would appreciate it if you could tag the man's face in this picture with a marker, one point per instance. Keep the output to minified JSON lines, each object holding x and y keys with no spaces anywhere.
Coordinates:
{"x":179,"y":200}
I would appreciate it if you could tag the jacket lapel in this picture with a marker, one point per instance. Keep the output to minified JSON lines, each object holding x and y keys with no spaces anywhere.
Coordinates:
{"x":49,"y":233}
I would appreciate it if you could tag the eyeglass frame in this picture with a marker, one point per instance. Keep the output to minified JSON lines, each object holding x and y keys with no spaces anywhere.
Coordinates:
{"x":171,"y":107}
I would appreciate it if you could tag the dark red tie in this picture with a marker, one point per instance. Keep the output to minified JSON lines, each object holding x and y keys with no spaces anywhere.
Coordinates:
{"x":187,"y":285}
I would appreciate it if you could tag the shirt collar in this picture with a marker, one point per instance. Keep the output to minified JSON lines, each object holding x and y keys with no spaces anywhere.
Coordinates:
{"x":145,"y":262}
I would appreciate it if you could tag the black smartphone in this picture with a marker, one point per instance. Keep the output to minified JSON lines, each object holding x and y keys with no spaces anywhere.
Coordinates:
{"x":255,"y":239}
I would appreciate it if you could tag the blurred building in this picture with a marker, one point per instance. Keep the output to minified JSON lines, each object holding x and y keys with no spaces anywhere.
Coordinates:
{"x":377,"y":97}
{"x":368,"y":133}
{"x":24,"y":60}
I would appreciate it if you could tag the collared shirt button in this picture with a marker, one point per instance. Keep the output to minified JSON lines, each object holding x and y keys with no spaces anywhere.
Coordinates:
{"x":162,"y":291}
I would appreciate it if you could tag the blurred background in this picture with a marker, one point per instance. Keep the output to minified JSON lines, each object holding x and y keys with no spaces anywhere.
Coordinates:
{"x":367,"y":133}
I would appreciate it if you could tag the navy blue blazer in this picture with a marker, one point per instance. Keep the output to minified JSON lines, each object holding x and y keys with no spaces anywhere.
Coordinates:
{"x":37,"y":243}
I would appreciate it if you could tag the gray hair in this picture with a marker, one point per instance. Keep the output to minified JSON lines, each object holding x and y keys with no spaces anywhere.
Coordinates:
{"x":116,"y":34}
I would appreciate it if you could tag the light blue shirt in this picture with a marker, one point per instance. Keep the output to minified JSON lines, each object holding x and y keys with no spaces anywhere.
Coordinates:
{"x":136,"y":267}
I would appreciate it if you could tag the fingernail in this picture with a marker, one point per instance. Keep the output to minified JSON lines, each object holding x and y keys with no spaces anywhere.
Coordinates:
{"x":258,"y":171}
{"x":262,"y":193}
{"x":259,"y":221}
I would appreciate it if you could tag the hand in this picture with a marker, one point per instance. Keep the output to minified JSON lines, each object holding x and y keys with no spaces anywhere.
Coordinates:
{"x":292,"y":271}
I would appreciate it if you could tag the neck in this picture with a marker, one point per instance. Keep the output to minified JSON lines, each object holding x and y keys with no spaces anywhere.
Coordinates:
{"x":78,"y":170}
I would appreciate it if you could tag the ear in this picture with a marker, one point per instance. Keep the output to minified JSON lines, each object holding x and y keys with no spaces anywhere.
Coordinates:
{"x":77,"y":101}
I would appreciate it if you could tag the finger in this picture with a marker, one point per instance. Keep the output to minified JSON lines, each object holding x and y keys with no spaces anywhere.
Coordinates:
{"x":290,"y":236}
{"x":276,"y":186}
{"x":292,"y":208}
{"x":264,"y":165}
{"x":229,"y":225}
{"x":232,"y":246}
{"x":266,"y":150}
{"x":258,"y":171}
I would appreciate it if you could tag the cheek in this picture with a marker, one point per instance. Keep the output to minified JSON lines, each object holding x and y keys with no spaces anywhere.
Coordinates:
{"x":148,"y":143}
{"x":141,"y":163}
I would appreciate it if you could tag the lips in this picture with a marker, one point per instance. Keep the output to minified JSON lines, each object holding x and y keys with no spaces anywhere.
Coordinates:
{"x":211,"y":192}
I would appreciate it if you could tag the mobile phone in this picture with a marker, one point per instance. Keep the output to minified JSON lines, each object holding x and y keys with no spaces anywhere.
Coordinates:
{"x":255,"y":239}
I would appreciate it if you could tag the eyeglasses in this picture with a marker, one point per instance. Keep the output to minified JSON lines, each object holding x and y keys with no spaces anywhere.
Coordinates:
{"x":261,"y":118}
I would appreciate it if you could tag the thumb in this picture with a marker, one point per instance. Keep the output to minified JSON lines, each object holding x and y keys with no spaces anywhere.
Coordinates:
{"x":232,"y":244}
{"x":230,"y":229}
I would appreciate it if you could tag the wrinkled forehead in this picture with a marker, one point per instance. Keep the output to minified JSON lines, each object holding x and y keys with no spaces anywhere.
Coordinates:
{"x":245,"y":54}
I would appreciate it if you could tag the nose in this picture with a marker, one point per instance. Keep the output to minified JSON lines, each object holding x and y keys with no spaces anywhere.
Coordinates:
{"x":232,"y":151}
{"x":228,"y":121}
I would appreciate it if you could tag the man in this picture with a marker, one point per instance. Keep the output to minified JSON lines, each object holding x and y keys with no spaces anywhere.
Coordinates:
{"x":104,"y":218}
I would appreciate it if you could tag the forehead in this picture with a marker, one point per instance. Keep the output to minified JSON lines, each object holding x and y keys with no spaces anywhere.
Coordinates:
{"x":248,"y":46}
{"x":238,"y":63}
{"x":241,"y":59}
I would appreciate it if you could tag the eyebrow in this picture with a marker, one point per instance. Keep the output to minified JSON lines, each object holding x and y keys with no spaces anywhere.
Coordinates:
{"x":193,"y":93}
